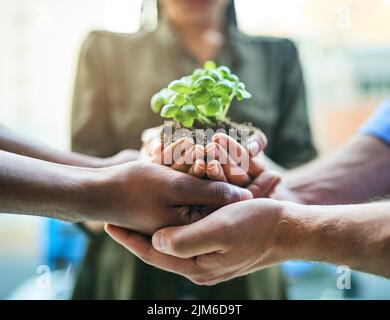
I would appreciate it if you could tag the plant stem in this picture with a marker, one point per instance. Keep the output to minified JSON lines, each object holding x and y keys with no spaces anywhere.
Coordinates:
{"x":204,"y":120}
{"x":227,"y":106}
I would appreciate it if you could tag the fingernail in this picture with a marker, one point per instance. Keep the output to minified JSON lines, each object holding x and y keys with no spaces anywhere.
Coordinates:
{"x":213,"y":169}
{"x":245,"y":194}
{"x":253,"y":148}
{"x":158,"y":241}
{"x":199,"y":167}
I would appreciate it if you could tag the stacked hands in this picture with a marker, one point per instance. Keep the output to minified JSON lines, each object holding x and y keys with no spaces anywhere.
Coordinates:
{"x":223,"y":159}
{"x":207,"y":247}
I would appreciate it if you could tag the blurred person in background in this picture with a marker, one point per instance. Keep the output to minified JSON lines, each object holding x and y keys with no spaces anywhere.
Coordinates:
{"x":118,"y":74}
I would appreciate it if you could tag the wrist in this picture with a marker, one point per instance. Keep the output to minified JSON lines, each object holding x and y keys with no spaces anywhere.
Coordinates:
{"x":86,"y":193}
{"x":295,"y":234}
{"x":106,"y":191}
{"x":61,"y":191}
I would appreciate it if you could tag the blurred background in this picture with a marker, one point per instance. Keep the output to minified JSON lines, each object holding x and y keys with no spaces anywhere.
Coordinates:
{"x":345,"y":52}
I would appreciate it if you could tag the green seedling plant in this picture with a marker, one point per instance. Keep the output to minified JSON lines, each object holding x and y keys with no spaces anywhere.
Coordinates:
{"x":204,"y":96}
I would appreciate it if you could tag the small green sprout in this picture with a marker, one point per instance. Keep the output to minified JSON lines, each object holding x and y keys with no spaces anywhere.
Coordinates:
{"x":205,"y":96}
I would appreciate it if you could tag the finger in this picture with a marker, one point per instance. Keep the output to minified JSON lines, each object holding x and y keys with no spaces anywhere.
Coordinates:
{"x":211,"y":151}
{"x":256,"y":143}
{"x":141,"y":246}
{"x":235,"y":174}
{"x":195,"y":152}
{"x":186,"y":161}
{"x":235,"y":150}
{"x":188,"y":190}
{"x":198,"y":169}
{"x":264,"y":184}
{"x":157,"y":149}
{"x":173,"y":152}
{"x":180,"y":150}
{"x":215,"y":171}
{"x":247,"y":158}
{"x":188,"y":241}
{"x":256,"y":166}
{"x":155,"y":155}
{"x":199,"y":152}
{"x":151,"y":139}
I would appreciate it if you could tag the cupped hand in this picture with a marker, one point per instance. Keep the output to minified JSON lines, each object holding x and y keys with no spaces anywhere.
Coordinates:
{"x":223,"y":159}
{"x":233,"y":241}
{"x":238,"y":164}
{"x":145,"y":196}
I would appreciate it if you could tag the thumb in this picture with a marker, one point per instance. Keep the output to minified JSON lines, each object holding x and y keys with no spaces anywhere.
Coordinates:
{"x":264,"y":184}
{"x":187,"y":241}
{"x":256,"y":143}
{"x":212,"y":194}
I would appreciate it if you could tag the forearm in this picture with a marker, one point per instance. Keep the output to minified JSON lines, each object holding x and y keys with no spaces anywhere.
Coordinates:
{"x":358,"y":172}
{"x":35,"y":187}
{"x":354,"y":235}
{"x":11,"y":142}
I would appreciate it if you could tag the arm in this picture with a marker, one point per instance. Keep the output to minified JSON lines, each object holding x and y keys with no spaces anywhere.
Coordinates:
{"x":35,"y":187}
{"x":14,"y":143}
{"x":251,"y":235}
{"x":115,"y":194}
{"x":357,"y":172}
{"x":357,"y":236}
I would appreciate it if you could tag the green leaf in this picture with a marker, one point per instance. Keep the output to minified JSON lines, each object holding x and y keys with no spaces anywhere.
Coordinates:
{"x":233,"y":78}
{"x":180,"y":86}
{"x":178,"y":99}
{"x":225,"y":71}
{"x":167,"y":94}
{"x":197,"y":74}
{"x":204,"y":95}
{"x":205,"y":82}
{"x":223,"y":87}
{"x":179,"y":117}
{"x":243,"y":94}
{"x":169,"y":111}
{"x":225,"y":100}
{"x":212,"y":107}
{"x":214,"y":74}
{"x":210,"y":65}
{"x":241,"y":86}
{"x":188,"y":123}
{"x":190,"y":111}
{"x":200,"y":97}
{"x":157,"y":102}
{"x":186,"y":79}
